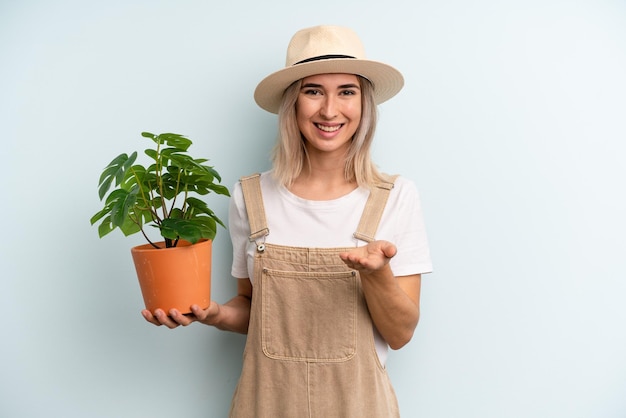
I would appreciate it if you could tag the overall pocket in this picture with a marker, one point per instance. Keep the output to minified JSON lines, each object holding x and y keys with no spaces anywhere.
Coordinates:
{"x":300,"y":315}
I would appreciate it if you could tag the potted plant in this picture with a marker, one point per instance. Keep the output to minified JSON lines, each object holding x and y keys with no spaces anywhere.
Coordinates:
{"x":176,"y":271}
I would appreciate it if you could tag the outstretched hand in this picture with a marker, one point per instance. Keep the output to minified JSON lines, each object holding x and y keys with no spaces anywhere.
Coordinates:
{"x":371,"y":257}
{"x":174,"y":318}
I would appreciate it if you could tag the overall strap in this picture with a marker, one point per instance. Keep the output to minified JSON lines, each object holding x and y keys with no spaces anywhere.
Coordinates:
{"x":251,"y":186}
{"x":374,"y":207}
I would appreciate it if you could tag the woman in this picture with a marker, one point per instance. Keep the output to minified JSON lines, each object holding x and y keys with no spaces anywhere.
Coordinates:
{"x":329,"y":252}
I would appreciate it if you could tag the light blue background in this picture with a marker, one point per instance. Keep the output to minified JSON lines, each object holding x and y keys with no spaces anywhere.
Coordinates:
{"x":512,"y":123}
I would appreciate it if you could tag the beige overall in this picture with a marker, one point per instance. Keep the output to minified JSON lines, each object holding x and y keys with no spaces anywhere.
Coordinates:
{"x":310,"y":349}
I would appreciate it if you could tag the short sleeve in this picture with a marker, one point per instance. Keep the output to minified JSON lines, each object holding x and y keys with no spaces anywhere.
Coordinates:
{"x":239,"y":232}
{"x":403,"y":220}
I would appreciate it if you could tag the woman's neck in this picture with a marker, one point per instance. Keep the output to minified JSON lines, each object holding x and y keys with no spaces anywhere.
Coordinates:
{"x":322,"y":182}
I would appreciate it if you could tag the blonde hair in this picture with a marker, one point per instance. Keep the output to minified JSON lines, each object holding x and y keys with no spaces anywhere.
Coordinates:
{"x":289,"y":154}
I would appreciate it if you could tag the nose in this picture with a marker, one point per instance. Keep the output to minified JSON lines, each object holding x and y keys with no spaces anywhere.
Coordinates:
{"x":329,"y":109}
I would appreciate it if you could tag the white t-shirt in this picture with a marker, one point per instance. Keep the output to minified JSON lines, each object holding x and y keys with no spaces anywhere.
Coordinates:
{"x":293,"y":221}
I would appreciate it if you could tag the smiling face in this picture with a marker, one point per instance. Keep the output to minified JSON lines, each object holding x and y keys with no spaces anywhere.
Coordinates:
{"x":328,"y":111}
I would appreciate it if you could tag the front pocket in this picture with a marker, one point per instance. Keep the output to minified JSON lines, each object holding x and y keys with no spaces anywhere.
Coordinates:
{"x":301,"y":319}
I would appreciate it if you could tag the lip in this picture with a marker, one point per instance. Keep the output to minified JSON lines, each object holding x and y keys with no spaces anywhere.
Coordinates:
{"x":334,"y":127}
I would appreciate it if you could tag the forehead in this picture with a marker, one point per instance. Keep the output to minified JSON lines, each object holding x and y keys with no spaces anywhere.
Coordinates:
{"x":330,"y":80}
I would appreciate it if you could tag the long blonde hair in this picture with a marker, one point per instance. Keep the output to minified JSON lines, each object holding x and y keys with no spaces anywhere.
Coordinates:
{"x":289,"y":154}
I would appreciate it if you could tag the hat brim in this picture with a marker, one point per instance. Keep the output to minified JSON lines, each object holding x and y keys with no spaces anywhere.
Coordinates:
{"x":387,"y":80}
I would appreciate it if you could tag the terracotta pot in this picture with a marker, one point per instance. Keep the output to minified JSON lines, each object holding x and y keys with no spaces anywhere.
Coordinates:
{"x":174,"y":277}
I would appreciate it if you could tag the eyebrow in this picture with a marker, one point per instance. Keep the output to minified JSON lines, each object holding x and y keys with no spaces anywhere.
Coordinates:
{"x":343,"y":86}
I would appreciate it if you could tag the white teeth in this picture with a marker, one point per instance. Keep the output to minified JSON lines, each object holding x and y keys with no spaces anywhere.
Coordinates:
{"x":328,"y":128}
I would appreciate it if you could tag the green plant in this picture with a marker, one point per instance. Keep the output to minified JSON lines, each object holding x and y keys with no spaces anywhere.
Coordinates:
{"x":160,"y":193}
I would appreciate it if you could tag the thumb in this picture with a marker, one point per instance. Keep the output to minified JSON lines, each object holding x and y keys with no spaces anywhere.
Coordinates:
{"x":389,"y":249}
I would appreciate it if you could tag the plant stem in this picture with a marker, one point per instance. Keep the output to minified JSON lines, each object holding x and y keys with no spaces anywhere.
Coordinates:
{"x":148,"y":239}
{"x":159,"y":174}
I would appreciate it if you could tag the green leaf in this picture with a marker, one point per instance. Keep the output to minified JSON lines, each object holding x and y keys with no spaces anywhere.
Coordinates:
{"x":105,"y":227}
{"x":214,"y":173}
{"x":129,"y":226}
{"x":177,"y":213}
{"x":198,"y":207}
{"x":181,"y":228}
{"x":152,"y":154}
{"x":148,"y":135}
{"x":219,"y":189}
{"x":207,"y":226}
{"x":99,"y":215}
{"x":176,"y":141}
{"x":152,"y":136}
{"x":115,"y":171}
{"x":121,"y":206}
{"x":136,"y":175}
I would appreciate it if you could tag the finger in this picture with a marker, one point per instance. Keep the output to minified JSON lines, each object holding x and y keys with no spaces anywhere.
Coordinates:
{"x":162,"y":317}
{"x":150,"y":318}
{"x":351,"y":257}
{"x":200,"y":313}
{"x":389,"y":250}
{"x":207,"y":316}
{"x":181,"y":319}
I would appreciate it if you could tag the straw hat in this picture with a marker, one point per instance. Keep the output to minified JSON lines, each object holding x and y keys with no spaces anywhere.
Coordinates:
{"x":322,"y":50}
